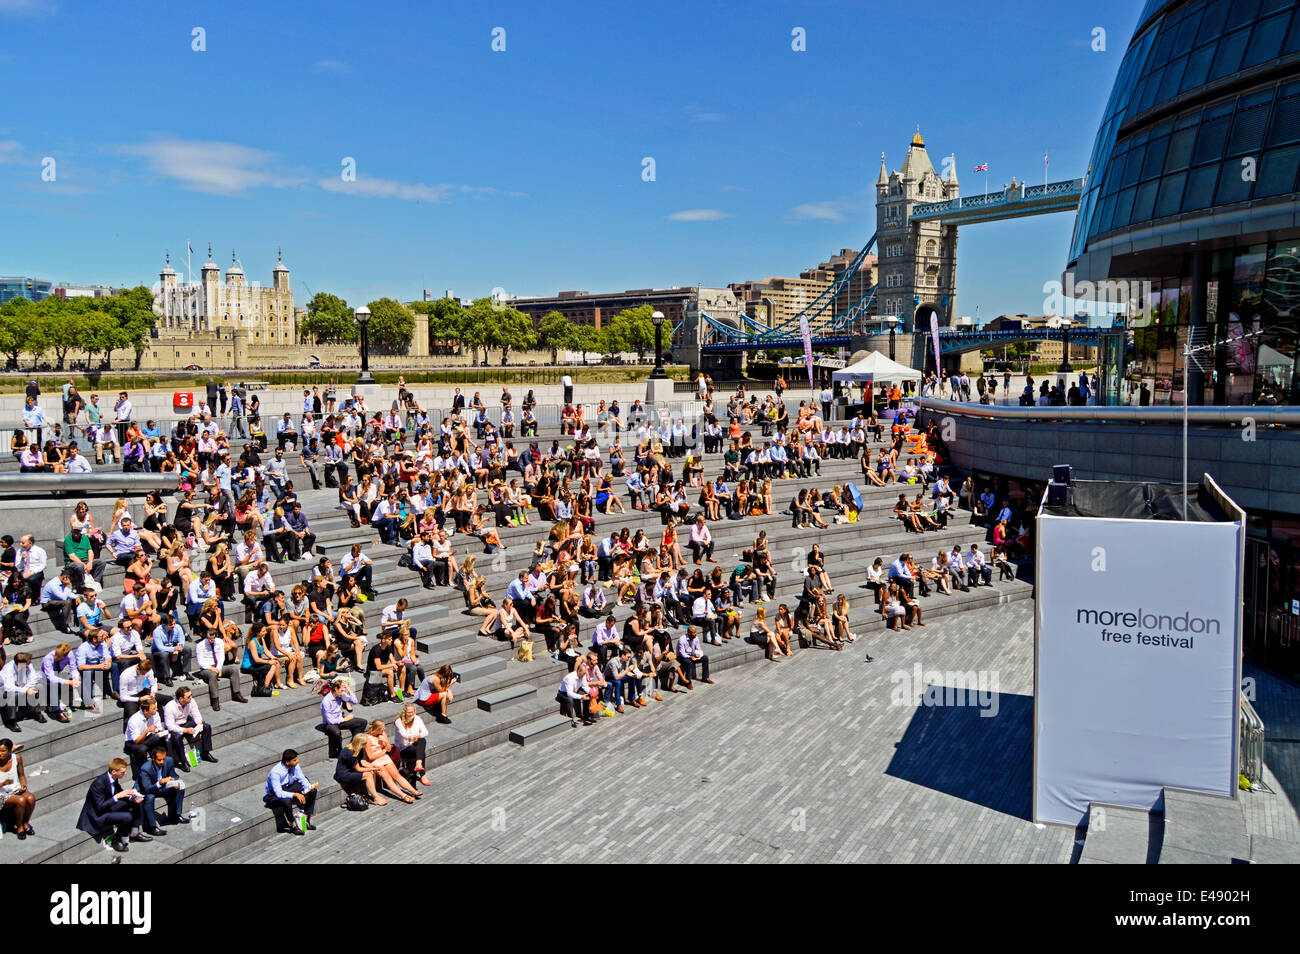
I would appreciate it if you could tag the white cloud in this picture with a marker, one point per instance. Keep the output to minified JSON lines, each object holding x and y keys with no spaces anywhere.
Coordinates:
{"x":373,"y":188}
{"x":699,"y":215}
{"x":818,"y":212}
{"x":224,"y":168}
{"x":9,"y":150}
{"x":39,"y":8}
{"x":698,"y":114}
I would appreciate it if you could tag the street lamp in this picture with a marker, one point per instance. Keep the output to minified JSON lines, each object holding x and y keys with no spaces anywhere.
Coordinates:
{"x":893,"y":324}
{"x":658,"y":319}
{"x":362,"y":315}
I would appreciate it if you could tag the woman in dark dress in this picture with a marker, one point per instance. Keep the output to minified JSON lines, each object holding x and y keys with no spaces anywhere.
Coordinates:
{"x":352,"y":773}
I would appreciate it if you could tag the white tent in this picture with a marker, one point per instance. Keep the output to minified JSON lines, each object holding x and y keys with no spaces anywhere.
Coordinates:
{"x":876,"y":367}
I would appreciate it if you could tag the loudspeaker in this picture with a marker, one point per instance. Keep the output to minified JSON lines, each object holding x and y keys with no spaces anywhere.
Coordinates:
{"x":1057,"y":494}
{"x":1061,"y":474}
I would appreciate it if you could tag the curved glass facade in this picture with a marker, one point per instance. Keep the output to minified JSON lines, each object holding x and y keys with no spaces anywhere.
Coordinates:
{"x":1200,"y":89}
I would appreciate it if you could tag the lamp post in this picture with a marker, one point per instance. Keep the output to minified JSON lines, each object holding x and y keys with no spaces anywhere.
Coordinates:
{"x":658,"y":372}
{"x":362,"y":316}
{"x":893,"y":325}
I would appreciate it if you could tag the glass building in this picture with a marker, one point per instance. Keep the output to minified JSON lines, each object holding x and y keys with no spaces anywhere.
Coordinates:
{"x":1191,"y":199}
{"x":22,"y":287}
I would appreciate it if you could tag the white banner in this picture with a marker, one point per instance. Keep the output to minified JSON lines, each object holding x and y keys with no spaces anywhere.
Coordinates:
{"x":1137,"y":659}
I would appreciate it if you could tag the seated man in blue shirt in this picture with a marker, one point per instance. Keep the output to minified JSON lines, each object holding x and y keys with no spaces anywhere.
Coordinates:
{"x":287,"y":791}
{"x":286,"y":432}
{"x":59,"y":600}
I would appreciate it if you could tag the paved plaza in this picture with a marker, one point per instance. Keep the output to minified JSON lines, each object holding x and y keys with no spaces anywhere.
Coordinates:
{"x":803,"y":760}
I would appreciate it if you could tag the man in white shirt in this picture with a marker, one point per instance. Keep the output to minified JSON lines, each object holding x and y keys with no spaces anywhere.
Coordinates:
{"x":689,"y":654}
{"x":976,"y":569}
{"x":422,"y":561}
{"x":19,"y":692}
{"x":184,"y":723}
{"x":31,"y":564}
{"x":392,"y":617}
{"x":359,"y":565}
{"x":705,"y":617}
{"x":210,"y":656}
{"x":78,"y":464}
{"x":121,"y":418}
{"x":257,"y":586}
{"x":144,"y":730}
{"x":574,"y":697}
{"x":701,"y":541}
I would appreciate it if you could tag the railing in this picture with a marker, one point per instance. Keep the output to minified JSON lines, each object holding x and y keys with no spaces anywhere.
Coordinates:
{"x":1201,"y":416}
{"x":1036,"y":193}
{"x":107,"y":482}
{"x":1252,"y":743}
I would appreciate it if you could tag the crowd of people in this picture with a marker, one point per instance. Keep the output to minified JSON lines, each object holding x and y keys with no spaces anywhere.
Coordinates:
{"x":429,"y":485}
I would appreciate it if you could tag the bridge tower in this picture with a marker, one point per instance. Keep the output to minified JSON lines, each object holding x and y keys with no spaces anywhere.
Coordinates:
{"x":917,"y":269}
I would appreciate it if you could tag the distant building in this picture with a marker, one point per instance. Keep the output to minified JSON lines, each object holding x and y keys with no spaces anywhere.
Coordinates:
{"x":213,"y":306}
{"x":918,"y":261}
{"x":86,"y":291}
{"x":1045,"y":352}
{"x":33,"y":289}
{"x":596,"y":310}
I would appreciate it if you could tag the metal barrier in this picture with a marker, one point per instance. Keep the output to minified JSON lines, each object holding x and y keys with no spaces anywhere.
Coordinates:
{"x":1220,"y":415}
{"x":1252,"y":743}
{"x":102,"y":483}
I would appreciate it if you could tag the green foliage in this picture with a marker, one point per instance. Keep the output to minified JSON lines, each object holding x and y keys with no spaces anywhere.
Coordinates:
{"x":511,"y":328}
{"x":633,"y":330}
{"x":391,"y":324}
{"x":329,"y":319}
{"x":554,"y":332}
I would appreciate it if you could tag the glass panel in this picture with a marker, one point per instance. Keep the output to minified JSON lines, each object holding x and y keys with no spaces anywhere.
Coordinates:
{"x":1293,"y":38}
{"x":1104,"y":217}
{"x":1173,"y":74}
{"x":1171,"y":193}
{"x":1146,"y":198}
{"x":1200,"y":188}
{"x":1133,"y":166}
{"x":1266,"y":40}
{"x":1248,"y":131}
{"x":1233,"y":184}
{"x":1277,"y":171}
{"x":1180,"y":150}
{"x":1212,"y":25}
{"x":1149,"y":91}
{"x":1198,"y":66}
{"x":1155,"y":158}
{"x":1123,"y":208}
{"x":1228,"y":59}
{"x":1209,"y":140}
{"x":1239,"y":12}
{"x":1285,"y":126}
{"x":1187,"y":31}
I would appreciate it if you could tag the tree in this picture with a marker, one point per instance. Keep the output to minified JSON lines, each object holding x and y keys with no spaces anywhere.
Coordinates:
{"x":19,"y":329}
{"x":60,"y":321}
{"x":632,"y":329}
{"x":133,"y":311}
{"x":589,"y":338}
{"x":554,"y":332}
{"x":391,"y":324}
{"x":475,"y":326}
{"x":511,"y":328}
{"x":329,"y":319}
{"x":100,"y":332}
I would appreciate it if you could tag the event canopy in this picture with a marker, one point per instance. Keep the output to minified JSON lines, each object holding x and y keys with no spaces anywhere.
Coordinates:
{"x":876,"y":367}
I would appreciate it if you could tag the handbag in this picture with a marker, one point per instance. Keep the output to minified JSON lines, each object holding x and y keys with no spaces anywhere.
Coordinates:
{"x":356,"y":803}
{"x":525,"y":653}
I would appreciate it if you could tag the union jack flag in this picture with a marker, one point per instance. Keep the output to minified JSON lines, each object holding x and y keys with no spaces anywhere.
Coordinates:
{"x":982,"y":167}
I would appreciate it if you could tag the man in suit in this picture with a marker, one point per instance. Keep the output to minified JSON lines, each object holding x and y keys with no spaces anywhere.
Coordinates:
{"x":110,"y":808}
{"x":457,"y":404}
{"x":158,"y":779}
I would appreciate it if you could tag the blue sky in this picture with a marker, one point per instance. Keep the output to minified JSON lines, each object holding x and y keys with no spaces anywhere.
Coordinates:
{"x":522,"y":169}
